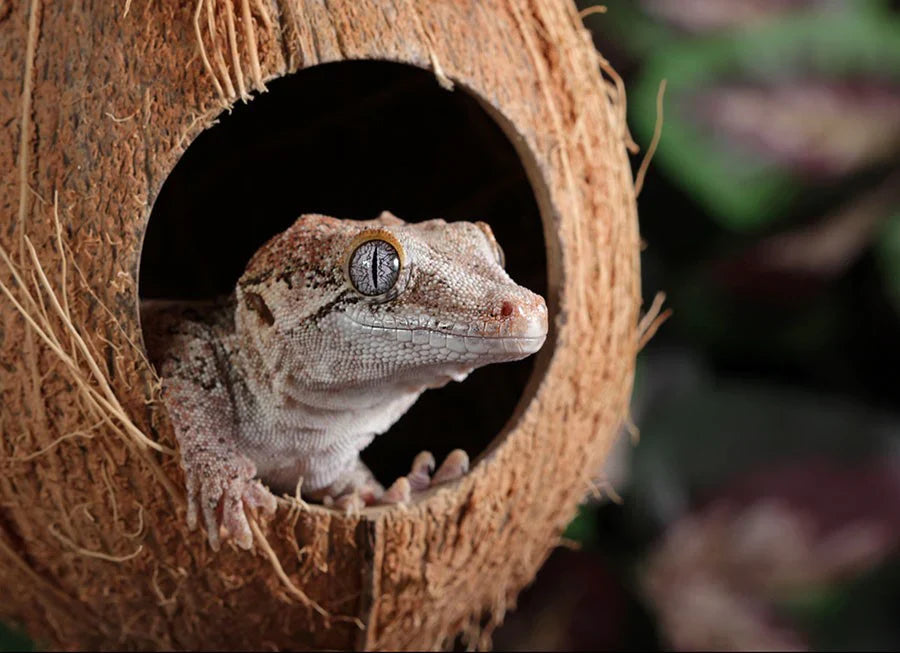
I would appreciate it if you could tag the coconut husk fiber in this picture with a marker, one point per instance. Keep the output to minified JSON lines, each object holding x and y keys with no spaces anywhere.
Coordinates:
{"x":98,"y":103}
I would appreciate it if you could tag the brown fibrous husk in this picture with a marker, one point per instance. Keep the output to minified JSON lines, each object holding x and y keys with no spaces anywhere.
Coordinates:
{"x":94,"y":548}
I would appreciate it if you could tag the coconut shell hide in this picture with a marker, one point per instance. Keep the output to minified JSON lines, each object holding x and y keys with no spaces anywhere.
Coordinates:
{"x":98,"y":104}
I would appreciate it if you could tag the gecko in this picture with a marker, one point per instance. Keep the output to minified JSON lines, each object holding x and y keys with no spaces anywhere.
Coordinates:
{"x":332,"y":332}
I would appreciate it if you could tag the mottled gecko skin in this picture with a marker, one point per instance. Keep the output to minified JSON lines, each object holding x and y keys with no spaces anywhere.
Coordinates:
{"x":333,"y":331}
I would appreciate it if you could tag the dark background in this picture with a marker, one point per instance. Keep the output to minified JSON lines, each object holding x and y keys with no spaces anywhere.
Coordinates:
{"x":760,"y":508}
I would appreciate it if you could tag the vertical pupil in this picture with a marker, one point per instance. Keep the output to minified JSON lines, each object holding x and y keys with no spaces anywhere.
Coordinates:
{"x":375,"y":266}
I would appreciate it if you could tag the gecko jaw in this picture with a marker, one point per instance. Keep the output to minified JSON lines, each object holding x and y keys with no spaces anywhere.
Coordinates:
{"x":462,"y":340}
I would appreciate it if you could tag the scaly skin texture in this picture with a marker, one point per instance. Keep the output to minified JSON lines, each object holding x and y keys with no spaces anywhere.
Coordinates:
{"x":291,"y":376}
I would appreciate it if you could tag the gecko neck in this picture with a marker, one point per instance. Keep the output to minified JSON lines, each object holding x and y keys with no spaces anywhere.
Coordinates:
{"x":286,"y":399}
{"x":292,"y":431}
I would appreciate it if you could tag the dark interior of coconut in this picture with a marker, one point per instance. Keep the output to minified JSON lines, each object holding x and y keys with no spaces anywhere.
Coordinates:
{"x":351,"y":139}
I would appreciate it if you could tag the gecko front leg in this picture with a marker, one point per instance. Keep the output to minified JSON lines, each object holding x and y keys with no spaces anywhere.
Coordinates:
{"x":220,"y":479}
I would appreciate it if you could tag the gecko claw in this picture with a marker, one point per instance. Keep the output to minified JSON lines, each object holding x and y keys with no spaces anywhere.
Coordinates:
{"x":455,"y":465}
{"x":256,"y":495}
{"x":400,"y":492}
{"x":420,"y":473}
{"x":350,"y":503}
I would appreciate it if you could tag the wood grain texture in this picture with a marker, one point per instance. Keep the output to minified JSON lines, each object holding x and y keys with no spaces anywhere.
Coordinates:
{"x":96,"y":108}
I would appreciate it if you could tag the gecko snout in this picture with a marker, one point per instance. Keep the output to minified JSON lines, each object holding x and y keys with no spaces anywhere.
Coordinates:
{"x":524,"y":317}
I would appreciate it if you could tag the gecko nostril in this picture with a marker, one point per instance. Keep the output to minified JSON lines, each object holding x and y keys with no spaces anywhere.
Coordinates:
{"x":506,"y":309}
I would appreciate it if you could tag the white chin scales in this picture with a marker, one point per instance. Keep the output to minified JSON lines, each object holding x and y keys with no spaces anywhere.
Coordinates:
{"x":460,"y":374}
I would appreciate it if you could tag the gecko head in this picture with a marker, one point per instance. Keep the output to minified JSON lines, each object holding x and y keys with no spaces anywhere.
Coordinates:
{"x":387,"y":302}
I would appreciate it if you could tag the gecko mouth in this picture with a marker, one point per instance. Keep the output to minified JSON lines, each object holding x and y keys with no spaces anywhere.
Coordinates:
{"x":497,"y":338}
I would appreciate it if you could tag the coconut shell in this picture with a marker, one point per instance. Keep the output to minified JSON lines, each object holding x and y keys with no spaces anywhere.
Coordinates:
{"x":97,"y":105}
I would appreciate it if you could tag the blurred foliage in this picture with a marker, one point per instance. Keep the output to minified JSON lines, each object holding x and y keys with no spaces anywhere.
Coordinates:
{"x":888,"y":252}
{"x":700,"y":432}
{"x":639,"y":32}
{"x":775,"y":379}
{"x":583,"y":529}
{"x":14,"y":640}
{"x":860,"y":614}
{"x":740,"y":188}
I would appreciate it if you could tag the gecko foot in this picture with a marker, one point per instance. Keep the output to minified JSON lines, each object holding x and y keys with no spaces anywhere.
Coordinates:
{"x":222,"y":498}
{"x":420,"y":478}
{"x":356,"y":499}
{"x":353,"y":491}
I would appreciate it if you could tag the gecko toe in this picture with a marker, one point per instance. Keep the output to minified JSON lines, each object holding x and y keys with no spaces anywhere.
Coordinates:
{"x":455,"y":465}
{"x":210,"y":502}
{"x":241,"y":533}
{"x":192,"y":508}
{"x":257,"y":495}
{"x":350,"y":503}
{"x":420,"y":473}
{"x":193,"y":490}
{"x":234,"y":519}
{"x":244,"y":539}
{"x":399,"y":492}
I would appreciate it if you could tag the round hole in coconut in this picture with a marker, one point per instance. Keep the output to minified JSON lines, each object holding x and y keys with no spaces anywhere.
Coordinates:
{"x":351,"y":139}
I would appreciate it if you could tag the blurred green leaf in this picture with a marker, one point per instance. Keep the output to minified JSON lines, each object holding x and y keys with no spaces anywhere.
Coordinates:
{"x":727,"y":321}
{"x":698,"y":432}
{"x":859,"y":614}
{"x":741,"y":191}
{"x":811,"y":604}
{"x":628,"y":25}
{"x":14,"y":640}
{"x":887,"y":250}
{"x":584,"y":527}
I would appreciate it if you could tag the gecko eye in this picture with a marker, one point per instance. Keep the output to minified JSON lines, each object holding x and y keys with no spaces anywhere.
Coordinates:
{"x":374,"y":267}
